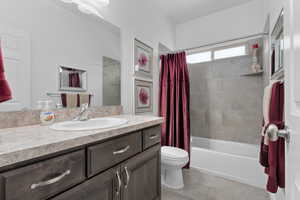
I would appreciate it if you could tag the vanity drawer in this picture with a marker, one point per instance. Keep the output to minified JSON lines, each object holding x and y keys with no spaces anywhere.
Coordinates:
{"x":151,"y":136}
{"x":44,"y":179}
{"x":108,"y":154}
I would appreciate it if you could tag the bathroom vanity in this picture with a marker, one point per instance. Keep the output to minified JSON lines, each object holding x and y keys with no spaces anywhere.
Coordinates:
{"x":122,"y":163}
{"x":72,"y":61}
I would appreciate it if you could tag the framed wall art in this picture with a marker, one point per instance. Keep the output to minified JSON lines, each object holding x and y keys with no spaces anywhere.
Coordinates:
{"x":143,"y":96}
{"x":143,"y":59}
{"x":277,"y":53}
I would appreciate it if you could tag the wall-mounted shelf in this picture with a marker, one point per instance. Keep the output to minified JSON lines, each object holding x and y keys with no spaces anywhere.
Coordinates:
{"x":253,"y":73}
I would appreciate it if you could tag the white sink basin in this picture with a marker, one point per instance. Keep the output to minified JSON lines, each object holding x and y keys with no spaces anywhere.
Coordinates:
{"x":92,"y":124}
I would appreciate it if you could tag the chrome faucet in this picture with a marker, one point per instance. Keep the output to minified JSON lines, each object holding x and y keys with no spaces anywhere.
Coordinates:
{"x":83,"y":114}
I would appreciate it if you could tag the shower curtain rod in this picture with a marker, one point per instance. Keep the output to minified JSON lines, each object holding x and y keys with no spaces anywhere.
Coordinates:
{"x":220,"y":42}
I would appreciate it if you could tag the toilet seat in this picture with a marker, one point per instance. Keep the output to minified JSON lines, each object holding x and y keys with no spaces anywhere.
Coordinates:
{"x":174,"y":154}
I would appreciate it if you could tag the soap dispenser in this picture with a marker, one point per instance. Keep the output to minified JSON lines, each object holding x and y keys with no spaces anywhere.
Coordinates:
{"x":47,"y":116}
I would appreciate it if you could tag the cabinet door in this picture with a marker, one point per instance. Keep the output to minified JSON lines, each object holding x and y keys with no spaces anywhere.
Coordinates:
{"x":106,"y":186}
{"x":141,"y":176}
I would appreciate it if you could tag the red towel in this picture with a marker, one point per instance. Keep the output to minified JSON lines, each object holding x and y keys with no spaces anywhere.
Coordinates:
{"x":74,"y":80}
{"x":5,"y":92}
{"x":272,"y":156}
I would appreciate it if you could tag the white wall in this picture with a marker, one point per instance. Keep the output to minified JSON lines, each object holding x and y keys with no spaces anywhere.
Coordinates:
{"x":273,"y":8}
{"x":139,"y":19}
{"x":243,"y":20}
{"x":136,"y":18}
{"x":61,"y":36}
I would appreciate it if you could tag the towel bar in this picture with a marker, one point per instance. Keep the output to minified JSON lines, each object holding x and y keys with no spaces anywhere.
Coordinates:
{"x":274,"y":133}
{"x":58,"y":94}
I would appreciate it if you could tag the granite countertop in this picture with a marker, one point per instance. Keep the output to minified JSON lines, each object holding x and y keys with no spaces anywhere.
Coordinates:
{"x":29,"y":142}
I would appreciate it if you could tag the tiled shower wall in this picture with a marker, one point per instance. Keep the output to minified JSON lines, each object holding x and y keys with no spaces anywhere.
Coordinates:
{"x":226,"y":105}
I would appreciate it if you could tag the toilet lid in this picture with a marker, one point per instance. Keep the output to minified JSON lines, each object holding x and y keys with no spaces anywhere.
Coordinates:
{"x":174,"y":153}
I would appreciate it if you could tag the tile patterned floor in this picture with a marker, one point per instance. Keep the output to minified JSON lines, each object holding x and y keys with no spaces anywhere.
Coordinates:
{"x":199,"y":186}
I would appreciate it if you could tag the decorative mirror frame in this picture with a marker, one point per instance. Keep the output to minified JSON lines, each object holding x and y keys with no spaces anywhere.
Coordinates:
{"x":277,"y":42}
{"x":73,"y":89}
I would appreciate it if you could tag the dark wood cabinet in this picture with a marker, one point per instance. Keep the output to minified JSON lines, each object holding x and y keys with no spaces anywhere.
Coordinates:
{"x":151,"y":136}
{"x":44,"y":179}
{"x":135,"y":179}
{"x":141,"y":176}
{"x":105,"y":186}
{"x":104,"y":155}
{"x":122,"y":168}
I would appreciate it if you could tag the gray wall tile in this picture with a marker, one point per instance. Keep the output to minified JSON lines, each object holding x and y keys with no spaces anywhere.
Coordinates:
{"x":224,"y":104}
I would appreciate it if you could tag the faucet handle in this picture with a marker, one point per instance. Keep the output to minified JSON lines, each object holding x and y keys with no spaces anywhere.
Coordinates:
{"x":83,"y":114}
{"x":84,"y":106}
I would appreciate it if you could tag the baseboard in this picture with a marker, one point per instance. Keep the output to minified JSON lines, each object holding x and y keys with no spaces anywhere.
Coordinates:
{"x":272,"y":197}
{"x":278,"y":196}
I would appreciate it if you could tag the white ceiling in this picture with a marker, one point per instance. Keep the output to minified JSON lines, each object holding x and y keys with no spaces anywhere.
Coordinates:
{"x":184,"y":10}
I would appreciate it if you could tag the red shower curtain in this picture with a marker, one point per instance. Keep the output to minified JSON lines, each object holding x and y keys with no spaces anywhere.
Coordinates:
{"x":175,"y":101}
{"x":74,"y":80}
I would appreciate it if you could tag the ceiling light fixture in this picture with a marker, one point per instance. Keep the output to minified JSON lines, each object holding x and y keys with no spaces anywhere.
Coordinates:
{"x":89,"y":6}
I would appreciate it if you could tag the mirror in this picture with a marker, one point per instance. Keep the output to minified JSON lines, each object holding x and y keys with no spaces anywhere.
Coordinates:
{"x":52,"y":49}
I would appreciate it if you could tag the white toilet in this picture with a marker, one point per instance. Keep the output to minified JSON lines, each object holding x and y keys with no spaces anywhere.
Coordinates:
{"x":172,"y":161}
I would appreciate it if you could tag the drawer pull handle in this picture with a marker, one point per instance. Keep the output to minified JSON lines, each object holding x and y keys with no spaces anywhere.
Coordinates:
{"x":119,"y":183}
{"x":121,"y":151}
{"x":152,"y":137}
{"x":127,"y":177}
{"x":51,"y":181}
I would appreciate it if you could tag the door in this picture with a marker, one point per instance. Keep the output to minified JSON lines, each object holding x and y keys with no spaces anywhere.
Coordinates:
{"x":15,"y":45}
{"x":292,"y":99}
{"x":141,"y":176}
{"x":106,"y":186}
{"x":111,"y":82}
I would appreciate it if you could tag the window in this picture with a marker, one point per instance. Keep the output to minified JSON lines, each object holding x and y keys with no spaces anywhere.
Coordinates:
{"x":208,"y":56}
{"x":199,"y":57}
{"x":230,"y":52}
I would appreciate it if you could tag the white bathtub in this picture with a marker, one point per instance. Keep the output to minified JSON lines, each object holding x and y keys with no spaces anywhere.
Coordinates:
{"x":231,"y":160}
